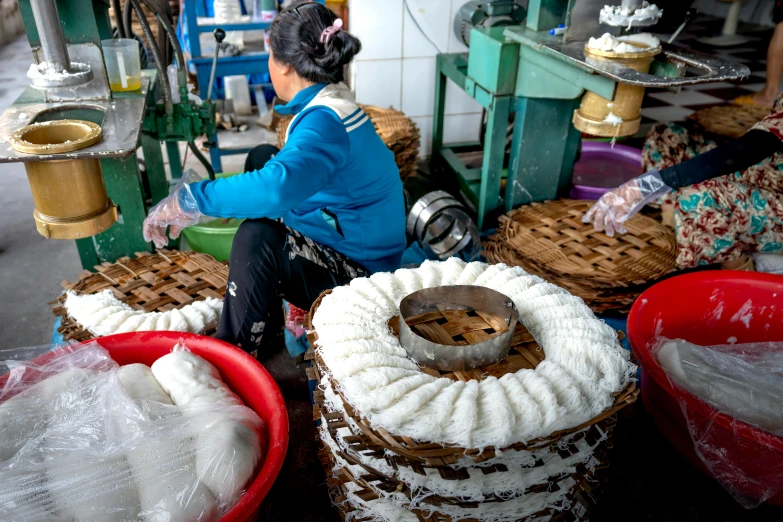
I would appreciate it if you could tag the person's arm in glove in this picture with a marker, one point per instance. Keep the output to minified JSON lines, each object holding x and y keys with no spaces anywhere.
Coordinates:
{"x":617,"y":206}
{"x":176,"y":211}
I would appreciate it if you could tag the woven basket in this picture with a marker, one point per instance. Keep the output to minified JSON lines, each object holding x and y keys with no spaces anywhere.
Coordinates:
{"x":397,"y":131}
{"x":417,"y":456}
{"x":552,"y":235}
{"x":600,"y":297}
{"x":159,"y":282}
{"x":730,"y":121}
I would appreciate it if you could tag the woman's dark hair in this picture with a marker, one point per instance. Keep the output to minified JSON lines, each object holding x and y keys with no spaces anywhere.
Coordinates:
{"x":295,"y":39}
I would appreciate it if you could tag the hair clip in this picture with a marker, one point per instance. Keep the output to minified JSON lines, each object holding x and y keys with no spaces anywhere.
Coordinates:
{"x":330,"y":31}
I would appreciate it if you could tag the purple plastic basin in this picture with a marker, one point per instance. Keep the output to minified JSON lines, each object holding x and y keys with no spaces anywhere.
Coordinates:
{"x":602,"y":167}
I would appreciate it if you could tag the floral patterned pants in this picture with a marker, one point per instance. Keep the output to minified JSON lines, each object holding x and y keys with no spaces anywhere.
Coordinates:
{"x":720,"y":219}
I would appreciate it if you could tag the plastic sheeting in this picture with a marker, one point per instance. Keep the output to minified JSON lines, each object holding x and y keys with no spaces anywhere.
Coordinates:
{"x":745,"y":382}
{"x":75,"y":445}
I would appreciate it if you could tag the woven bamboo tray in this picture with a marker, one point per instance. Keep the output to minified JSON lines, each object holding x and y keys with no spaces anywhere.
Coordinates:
{"x":581,"y":497}
{"x":397,"y":131}
{"x":600,"y":297}
{"x":552,"y":235}
{"x":525,"y":353}
{"x":159,"y":282}
{"x":729,"y":121}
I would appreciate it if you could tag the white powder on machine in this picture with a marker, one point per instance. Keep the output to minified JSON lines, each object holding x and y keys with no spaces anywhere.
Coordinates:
{"x":614,"y":119}
{"x":636,"y":43}
{"x":617,"y":15}
{"x":43,"y":70}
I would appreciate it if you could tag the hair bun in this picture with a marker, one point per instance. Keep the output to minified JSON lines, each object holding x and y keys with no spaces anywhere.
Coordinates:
{"x":311,"y":39}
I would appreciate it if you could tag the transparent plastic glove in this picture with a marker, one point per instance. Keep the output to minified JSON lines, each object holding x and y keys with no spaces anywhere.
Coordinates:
{"x":176,"y":211}
{"x":617,"y":206}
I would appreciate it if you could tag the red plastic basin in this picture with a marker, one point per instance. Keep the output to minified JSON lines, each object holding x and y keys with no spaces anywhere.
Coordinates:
{"x":688,"y":307}
{"x":244,"y":375}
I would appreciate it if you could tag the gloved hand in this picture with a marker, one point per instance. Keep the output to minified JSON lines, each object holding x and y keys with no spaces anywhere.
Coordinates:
{"x":176,"y":211}
{"x":617,"y":206}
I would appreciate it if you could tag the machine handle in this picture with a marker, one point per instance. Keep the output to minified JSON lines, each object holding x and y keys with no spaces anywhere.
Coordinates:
{"x":690,"y":15}
{"x":220,"y":35}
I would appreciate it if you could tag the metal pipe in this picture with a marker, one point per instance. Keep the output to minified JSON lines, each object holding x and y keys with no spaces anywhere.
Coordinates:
{"x":50,"y":34}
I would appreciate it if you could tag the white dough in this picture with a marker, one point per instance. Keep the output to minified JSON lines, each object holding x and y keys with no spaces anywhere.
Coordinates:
{"x":26,"y":415}
{"x":141,"y":385}
{"x":229,"y":450}
{"x":166,"y":475}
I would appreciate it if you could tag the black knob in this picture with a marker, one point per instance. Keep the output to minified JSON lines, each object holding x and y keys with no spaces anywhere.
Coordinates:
{"x":691,"y":13}
{"x":220,"y":34}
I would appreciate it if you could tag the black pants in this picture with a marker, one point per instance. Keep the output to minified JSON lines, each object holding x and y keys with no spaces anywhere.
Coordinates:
{"x":270,"y":262}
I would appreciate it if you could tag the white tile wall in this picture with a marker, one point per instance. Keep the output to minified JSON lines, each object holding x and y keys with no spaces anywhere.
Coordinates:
{"x":397,"y":64}
{"x":377,"y":82}
{"x":427,"y":32}
{"x":461,"y":127}
{"x":457,"y":100}
{"x":418,"y":86}
{"x":377,"y":23}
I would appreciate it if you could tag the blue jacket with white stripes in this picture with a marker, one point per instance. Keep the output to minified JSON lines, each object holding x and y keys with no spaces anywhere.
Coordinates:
{"x":334,"y":181}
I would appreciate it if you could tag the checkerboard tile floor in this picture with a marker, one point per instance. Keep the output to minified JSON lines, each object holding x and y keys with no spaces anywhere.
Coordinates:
{"x":662,"y":105}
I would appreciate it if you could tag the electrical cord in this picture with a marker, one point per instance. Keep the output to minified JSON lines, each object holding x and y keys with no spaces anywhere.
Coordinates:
{"x":164,"y":79}
{"x":410,"y":13}
{"x":172,"y":37}
{"x":115,"y":6}
{"x":202,"y":159}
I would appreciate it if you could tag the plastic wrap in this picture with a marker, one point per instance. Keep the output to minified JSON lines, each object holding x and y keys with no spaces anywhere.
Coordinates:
{"x":769,"y":263}
{"x":176,"y":211}
{"x":617,"y":206}
{"x":82,"y":439}
{"x":744,"y":382}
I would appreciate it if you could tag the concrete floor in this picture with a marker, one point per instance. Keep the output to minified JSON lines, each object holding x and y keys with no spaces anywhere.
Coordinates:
{"x":649,"y":481}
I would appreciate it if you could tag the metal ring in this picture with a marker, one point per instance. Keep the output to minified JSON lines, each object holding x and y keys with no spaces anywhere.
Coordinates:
{"x":439,"y":228}
{"x":431,"y":212}
{"x":420,"y":205}
{"x":453,"y":239}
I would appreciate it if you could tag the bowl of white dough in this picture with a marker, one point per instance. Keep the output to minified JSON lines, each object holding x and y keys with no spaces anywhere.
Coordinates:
{"x":139,"y":426}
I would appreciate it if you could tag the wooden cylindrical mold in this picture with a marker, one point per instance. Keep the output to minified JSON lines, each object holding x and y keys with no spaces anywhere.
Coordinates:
{"x":598,"y":116}
{"x":69,"y":194}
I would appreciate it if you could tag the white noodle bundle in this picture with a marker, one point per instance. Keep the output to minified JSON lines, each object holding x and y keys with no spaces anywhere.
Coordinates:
{"x":584,"y":362}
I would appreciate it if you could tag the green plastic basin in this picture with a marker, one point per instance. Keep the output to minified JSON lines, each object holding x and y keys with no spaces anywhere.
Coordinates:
{"x":214,"y":237}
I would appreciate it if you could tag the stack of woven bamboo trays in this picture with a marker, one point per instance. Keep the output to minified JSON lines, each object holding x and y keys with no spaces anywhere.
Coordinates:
{"x":397,"y":131}
{"x":366,"y":465}
{"x":608,"y":273}
{"x":159,"y":282}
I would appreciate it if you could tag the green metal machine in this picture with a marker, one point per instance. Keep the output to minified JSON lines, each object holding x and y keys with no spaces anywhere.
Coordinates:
{"x":65,"y":38}
{"x":542,"y":78}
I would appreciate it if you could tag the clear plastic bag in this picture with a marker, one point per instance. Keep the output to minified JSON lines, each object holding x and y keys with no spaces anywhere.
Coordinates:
{"x":745,"y":382}
{"x":76,"y":445}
